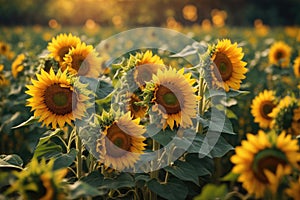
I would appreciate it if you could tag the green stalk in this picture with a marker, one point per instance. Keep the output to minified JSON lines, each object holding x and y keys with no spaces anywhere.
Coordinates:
{"x":154,"y":174}
{"x":201,"y":91}
{"x":79,"y":156}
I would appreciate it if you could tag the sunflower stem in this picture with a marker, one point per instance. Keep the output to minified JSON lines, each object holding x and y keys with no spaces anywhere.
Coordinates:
{"x":154,"y":172}
{"x":79,"y":156}
{"x":201,"y":91}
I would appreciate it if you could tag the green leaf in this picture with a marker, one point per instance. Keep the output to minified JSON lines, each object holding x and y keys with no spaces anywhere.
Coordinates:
{"x":174,"y":189}
{"x":29,"y":121}
{"x":184,"y":171}
{"x":164,"y":137}
{"x":221,"y":148}
{"x":95,"y":179}
{"x":230,"y":177}
{"x":204,"y":166}
{"x":65,"y":160}
{"x":47,"y":150}
{"x":212,"y":192}
{"x":11,"y":161}
{"x":48,"y":137}
{"x":81,"y":189}
{"x":124,"y":180}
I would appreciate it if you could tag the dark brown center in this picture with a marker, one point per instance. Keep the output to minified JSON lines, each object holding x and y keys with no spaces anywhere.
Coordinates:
{"x":59,"y":99}
{"x":224,"y":66}
{"x":266,"y":108}
{"x":167,"y":100}
{"x":118,"y":142}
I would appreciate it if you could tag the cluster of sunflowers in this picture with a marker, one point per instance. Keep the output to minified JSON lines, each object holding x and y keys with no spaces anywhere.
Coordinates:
{"x":137,"y":126}
{"x":267,"y":164}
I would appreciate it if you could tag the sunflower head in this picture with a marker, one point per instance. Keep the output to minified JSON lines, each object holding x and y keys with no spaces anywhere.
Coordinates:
{"x":263,"y":159}
{"x":40,"y":181}
{"x":18,"y":65}
{"x":121,"y":143}
{"x":285,"y":115}
{"x":5,"y":50}
{"x":280,"y":54}
{"x":83,"y":60}
{"x":61,"y":44}
{"x":262,"y":106}
{"x":228,"y":69}
{"x":141,"y":67}
{"x":55,"y":100}
{"x":296,"y":67}
{"x":172,"y":95}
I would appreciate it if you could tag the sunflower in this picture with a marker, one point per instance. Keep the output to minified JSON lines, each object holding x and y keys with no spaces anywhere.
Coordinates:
{"x":144,"y":65}
{"x":294,"y":189}
{"x":262,"y":154}
{"x":5,"y":50}
{"x":54,"y":100}
{"x":83,"y":60}
{"x":40,"y":181}
{"x":173,"y":97}
{"x":61,"y":45}
{"x":280,"y":54}
{"x":137,"y":111}
{"x":282,"y":115}
{"x":17,"y":66}
{"x":262,"y":105}
{"x":121,"y":143}
{"x":3,"y":80}
{"x":228,"y":69}
{"x":296,"y":121}
{"x":297,"y":67}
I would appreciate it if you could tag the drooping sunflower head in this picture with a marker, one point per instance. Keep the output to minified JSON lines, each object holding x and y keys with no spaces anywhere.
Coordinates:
{"x":142,"y":66}
{"x":61,"y":44}
{"x":121,"y":143}
{"x":40,"y":181}
{"x":55,"y":100}
{"x":297,"y":67}
{"x":228,"y":70}
{"x":17,"y":66}
{"x":285,"y":115}
{"x":280,"y":54}
{"x":262,"y":158}
{"x":137,"y":111}
{"x":173,"y":96}
{"x":83,"y":61}
{"x":262,"y":106}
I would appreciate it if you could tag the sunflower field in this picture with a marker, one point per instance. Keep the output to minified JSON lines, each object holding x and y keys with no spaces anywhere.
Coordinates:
{"x":200,"y":112}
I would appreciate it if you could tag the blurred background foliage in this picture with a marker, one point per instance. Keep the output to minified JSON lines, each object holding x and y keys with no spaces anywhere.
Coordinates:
{"x":133,"y":13}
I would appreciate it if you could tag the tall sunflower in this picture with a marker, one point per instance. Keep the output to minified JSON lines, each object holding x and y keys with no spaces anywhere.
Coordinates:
{"x":54,"y":99}
{"x":173,"y":96}
{"x":228,"y":70}
{"x":17,"y":66}
{"x":40,"y":181}
{"x":262,"y":106}
{"x":140,"y":68}
{"x":262,"y":155}
{"x":296,"y":121}
{"x":121,"y":143}
{"x":296,"y":67}
{"x":83,"y":60}
{"x":61,"y":44}
{"x":283,"y":113}
{"x":280,"y":54}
